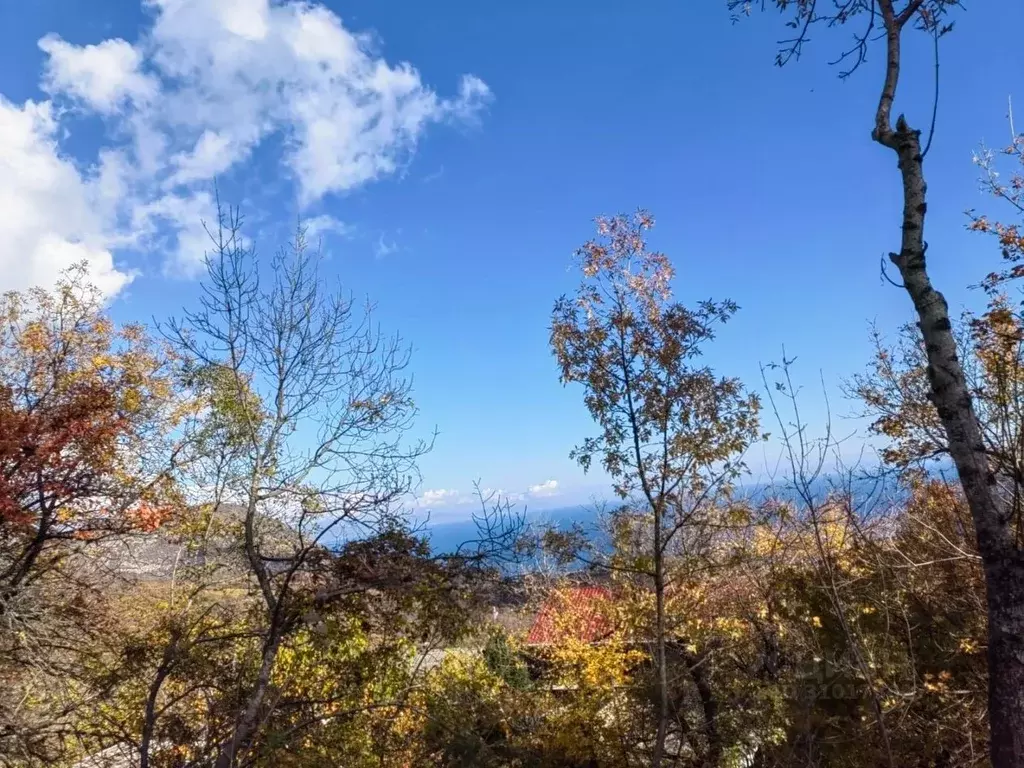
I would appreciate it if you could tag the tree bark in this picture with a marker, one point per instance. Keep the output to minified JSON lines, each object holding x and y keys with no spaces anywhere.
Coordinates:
{"x":247,"y":725}
{"x":149,"y":719}
{"x":1004,"y":579}
{"x":657,"y":502}
{"x":659,"y":619}
{"x":1001,"y":557}
{"x":709,"y":706}
{"x":1003,"y":565}
{"x":12,"y":578}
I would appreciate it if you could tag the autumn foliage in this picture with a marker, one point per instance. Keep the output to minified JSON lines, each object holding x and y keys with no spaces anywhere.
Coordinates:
{"x":300,"y":620}
{"x":697,"y":625}
{"x":85,"y":408}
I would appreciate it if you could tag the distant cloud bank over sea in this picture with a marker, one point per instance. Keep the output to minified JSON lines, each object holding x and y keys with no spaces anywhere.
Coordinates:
{"x":446,"y":533}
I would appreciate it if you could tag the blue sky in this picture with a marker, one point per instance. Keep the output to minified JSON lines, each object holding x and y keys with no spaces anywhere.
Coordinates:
{"x":480,"y":142}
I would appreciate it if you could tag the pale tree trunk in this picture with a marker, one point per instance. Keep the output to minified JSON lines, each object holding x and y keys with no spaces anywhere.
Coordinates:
{"x":1003,"y":564}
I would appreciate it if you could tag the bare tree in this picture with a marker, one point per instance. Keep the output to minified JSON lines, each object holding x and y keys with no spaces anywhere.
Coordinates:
{"x":987,"y":492}
{"x":306,"y":432}
{"x":823,"y":491}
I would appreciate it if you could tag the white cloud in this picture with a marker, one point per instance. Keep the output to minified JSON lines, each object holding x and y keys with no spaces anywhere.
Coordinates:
{"x":449,"y":499}
{"x":204,"y":89}
{"x":102,"y":76}
{"x":245,"y":69}
{"x":212,"y":154}
{"x":186,"y":217}
{"x":547,"y":488}
{"x":318,"y":226}
{"x":438,"y":496}
{"x":492,"y":496}
{"x":474,"y":96}
{"x":50,"y":216}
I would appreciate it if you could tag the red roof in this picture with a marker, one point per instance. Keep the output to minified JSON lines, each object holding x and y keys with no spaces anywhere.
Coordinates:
{"x":578,"y":613}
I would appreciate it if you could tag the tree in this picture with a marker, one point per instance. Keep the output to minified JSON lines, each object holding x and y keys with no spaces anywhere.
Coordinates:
{"x":84,"y":407}
{"x":172,"y":676}
{"x":894,"y":391}
{"x":307,"y":435}
{"x":672,"y":432}
{"x":986,"y":490}
{"x":88,"y":413}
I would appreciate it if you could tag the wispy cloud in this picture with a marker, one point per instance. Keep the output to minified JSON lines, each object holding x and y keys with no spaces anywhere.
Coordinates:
{"x":318,"y":226}
{"x":434,"y":175}
{"x":385,"y":246}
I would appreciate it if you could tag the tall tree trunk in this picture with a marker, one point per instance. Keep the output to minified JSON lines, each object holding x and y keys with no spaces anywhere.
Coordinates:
{"x":1004,"y":579}
{"x":1003,"y":564}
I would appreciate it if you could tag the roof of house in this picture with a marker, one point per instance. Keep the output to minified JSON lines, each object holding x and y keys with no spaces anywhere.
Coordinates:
{"x":576,"y":613}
